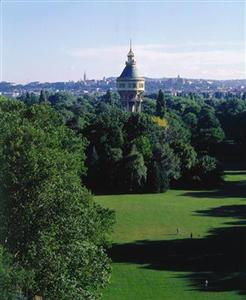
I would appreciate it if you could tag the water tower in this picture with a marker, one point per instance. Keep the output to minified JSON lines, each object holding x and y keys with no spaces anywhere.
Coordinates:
{"x":130,"y":85}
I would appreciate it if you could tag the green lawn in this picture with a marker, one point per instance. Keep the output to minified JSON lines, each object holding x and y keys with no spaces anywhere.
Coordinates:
{"x":152,"y":261}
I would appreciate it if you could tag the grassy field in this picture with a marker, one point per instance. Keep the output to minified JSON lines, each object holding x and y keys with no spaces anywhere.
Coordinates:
{"x":152,"y":261}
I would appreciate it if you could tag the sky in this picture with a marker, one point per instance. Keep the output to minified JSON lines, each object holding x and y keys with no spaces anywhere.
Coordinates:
{"x":51,"y":40}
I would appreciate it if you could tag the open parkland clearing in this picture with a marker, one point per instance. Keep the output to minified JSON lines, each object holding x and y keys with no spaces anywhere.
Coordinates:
{"x":165,"y":246}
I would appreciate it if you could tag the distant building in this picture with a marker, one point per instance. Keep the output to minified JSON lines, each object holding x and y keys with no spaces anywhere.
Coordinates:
{"x":130,"y":85}
{"x":85,"y":79}
{"x":180,"y":80}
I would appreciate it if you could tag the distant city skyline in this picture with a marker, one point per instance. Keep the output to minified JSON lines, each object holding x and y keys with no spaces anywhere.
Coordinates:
{"x":51,"y":41}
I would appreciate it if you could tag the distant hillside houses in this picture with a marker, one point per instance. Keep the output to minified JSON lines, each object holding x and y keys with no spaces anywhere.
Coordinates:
{"x":175,"y":86}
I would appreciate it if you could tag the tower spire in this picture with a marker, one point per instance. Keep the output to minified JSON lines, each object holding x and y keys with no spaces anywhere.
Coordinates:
{"x":130,"y":55}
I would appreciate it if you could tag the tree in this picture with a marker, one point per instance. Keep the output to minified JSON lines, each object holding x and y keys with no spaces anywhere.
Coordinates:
{"x":177,"y":129}
{"x":160,"y":105}
{"x":163,"y":167}
{"x":209,"y":130}
{"x":191,"y":121}
{"x":105,"y":149}
{"x":29,"y":98}
{"x":109,"y":97}
{"x":42,"y":97}
{"x":144,"y":146}
{"x":244,"y":96}
{"x":13,"y":278}
{"x":186,"y":154}
{"x":239,"y":125}
{"x":207,"y":172}
{"x":50,"y":223}
{"x":149,"y":106}
{"x":136,"y":125}
{"x":133,"y":171}
{"x":62,"y":100}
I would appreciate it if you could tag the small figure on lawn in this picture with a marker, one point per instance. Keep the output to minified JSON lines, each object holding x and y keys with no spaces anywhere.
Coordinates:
{"x":206,"y":283}
{"x":177,"y":230}
{"x":191,"y":235}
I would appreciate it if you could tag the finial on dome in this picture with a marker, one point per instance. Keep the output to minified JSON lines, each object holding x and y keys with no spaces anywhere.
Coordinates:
{"x":130,"y":55}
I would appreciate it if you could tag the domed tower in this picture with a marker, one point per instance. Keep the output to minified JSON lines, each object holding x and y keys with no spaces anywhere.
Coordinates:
{"x":130,"y":85}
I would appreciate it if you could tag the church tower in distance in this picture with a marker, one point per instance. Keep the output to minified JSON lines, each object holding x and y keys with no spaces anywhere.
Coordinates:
{"x":130,"y":85}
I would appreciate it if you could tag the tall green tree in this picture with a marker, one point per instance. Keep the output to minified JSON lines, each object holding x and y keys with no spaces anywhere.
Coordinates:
{"x":49,"y":221}
{"x":133,"y":171}
{"x":160,"y":105}
{"x":42,"y":97}
{"x":163,"y":166}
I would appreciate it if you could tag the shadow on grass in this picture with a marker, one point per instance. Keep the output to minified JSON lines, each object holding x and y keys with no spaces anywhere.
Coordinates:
{"x":235,"y":172}
{"x":220,"y":258}
{"x":236,"y":189}
{"x":230,"y":211}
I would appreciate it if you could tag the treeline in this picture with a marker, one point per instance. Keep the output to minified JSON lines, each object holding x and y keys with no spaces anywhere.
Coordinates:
{"x":175,"y":140}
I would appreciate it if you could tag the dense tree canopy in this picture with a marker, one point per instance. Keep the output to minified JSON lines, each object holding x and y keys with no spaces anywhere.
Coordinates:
{"x":190,"y":126}
{"x":49,"y":222}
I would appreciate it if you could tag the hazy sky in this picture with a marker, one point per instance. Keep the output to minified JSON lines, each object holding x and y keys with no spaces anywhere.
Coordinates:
{"x":58,"y":40}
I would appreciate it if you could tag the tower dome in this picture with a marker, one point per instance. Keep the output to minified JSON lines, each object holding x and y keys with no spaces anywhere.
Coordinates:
{"x":130,"y":85}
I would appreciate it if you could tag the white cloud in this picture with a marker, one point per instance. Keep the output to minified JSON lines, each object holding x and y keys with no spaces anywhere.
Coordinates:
{"x":211,"y":60}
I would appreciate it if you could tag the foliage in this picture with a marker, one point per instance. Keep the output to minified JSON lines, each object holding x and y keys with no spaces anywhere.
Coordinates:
{"x":42,"y":97}
{"x":133,"y":171}
{"x":186,"y":154}
{"x":163,"y":166}
{"x":144,"y":146}
{"x":123,"y":151}
{"x":13,"y":278}
{"x":239,"y":131}
{"x":209,"y":130}
{"x":191,"y":120}
{"x":160,"y":105}
{"x":207,"y":172}
{"x":49,"y":221}
{"x":191,"y":125}
{"x":161,"y":122}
